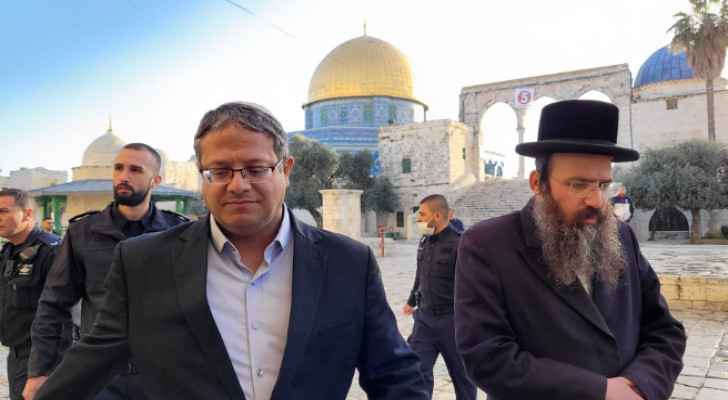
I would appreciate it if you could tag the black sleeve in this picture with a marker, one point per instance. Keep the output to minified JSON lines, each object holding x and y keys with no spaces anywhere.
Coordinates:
{"x":89,"y":364}
{"x":489,"y":347}
{"x":63,"y":288}
{"x":658,"y":361}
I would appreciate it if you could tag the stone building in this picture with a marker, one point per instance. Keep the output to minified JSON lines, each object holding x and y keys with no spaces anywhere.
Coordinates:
{"x":422,"y":159}
{"x":33,"y":178}
{"x":91,"y":186}
{"x":361,"y":97}
{"x":361,"y":85}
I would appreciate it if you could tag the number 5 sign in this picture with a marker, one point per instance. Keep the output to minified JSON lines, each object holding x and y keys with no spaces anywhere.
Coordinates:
{"x":524,"y":96}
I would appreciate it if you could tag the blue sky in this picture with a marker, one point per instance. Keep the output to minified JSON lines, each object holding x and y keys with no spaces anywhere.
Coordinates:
{"x":157,"y":66}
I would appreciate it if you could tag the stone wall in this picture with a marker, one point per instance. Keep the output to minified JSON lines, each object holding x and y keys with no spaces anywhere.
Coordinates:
{"x":695,"y":292}
{"x":435,"y":153}
{"x":342,"y":211}
{"x":613,"y":81}
{"x":656,"y":126}
{"x":92,"y":172}
{"x":35,"y":178}
{"x":81,"y":203}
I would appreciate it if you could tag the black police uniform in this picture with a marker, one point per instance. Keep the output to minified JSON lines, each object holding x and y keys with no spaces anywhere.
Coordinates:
{"x":433,"y":295}
{"x":79,"y":272}
{"x":24,"y":269}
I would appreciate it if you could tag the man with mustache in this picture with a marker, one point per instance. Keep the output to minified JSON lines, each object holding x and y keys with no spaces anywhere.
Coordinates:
{"x":556,"y":301}
{"x":247,"y":302}
{"x":83,"y":262}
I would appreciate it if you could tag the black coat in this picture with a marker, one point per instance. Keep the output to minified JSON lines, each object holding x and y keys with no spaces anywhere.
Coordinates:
{"x":23,"y":271}
{"x":157,"y":311}
{"x":521,"y":337}
{"x":78,"y":273}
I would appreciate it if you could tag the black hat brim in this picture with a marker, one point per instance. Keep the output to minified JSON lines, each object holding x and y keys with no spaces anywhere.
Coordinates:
{"x":547,"y":147}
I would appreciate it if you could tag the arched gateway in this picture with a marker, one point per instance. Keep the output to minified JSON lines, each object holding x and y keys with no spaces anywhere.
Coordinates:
{"x":615,"y":82}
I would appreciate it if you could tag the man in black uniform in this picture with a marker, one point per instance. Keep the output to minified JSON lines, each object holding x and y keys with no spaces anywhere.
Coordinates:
{"x":431,"y":299}
{"x":84,"y":260}
{"x":24,"y":263}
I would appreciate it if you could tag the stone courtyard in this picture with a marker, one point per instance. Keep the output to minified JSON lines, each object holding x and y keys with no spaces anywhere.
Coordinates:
{"x":705,"y":375}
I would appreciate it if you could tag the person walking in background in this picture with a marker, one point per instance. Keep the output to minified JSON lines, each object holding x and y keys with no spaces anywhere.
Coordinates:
{"x":431,"y":298}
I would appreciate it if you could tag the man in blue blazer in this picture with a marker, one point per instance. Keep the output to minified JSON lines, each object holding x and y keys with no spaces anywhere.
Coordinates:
{"x":248,"y":302}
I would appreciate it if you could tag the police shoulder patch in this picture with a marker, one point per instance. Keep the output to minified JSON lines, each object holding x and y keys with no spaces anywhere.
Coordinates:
{"x":82,"y":216}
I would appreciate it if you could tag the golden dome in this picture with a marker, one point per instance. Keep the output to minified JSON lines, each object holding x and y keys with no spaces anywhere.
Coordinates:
{"x":364,"y":66}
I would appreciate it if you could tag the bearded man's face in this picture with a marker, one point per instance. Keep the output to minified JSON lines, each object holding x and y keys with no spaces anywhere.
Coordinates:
{"x":576,"y":224}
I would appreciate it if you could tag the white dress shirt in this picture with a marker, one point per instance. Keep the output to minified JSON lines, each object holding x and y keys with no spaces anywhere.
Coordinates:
{"x":252,"y":310}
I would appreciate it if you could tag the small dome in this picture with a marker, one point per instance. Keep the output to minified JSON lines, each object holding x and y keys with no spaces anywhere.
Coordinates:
{"x":364,"y":66}
{"x":103,"y":150}
{"x":662,"y":66}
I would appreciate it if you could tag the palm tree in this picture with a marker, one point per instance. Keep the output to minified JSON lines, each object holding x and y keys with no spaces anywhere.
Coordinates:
{"x":703,"y":35}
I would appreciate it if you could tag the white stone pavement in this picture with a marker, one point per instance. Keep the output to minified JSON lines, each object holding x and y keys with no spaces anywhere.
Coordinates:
{"x":705,"y":376}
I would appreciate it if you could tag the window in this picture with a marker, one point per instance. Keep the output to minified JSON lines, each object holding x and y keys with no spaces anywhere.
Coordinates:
{"x":671,"y":103}
{"x":463,"y":153}
{"x":406,"y":166}
{"x":400,"y":219}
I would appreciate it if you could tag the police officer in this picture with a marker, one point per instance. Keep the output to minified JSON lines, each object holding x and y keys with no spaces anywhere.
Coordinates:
{"x":24,"y":263}
{"x":431,"y":299}
{"x":85,"y":257}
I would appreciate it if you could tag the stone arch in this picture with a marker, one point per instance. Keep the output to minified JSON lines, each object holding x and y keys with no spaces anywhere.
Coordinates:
{"x":595,"y":95}
{"x":668,"y":219}
{"x":613,"y":81}
{"x":498,"y":137}
{"x":531,"y":118}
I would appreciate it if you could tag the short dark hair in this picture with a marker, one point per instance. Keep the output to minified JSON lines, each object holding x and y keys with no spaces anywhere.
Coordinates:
{"x":21,"y":197}
{"x":246,"y":115}
{"x":138,"y":146}
{"x":437,"y":202}
{"x":48,"y":219}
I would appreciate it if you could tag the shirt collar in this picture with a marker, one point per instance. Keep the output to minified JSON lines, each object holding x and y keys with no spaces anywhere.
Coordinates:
{"x":120,"y":220}
{"x":279,"y":243}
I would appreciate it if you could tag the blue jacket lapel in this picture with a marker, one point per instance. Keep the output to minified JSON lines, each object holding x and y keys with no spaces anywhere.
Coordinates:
{"x":309,"y":274}
{"x":191,"y":280}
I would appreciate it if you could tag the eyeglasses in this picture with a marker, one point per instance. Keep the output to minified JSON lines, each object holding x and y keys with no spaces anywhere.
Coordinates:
{"x":581,"y":189}
{"x":252,"y":174}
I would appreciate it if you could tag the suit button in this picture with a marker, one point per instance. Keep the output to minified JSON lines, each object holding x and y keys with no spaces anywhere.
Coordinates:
{"x":259,"y":373}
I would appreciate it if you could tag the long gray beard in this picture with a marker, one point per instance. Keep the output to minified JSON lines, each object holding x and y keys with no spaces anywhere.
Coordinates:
{"x":574,"y":250}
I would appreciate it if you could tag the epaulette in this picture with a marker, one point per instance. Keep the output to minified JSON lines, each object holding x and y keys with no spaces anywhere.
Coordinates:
{"x":82,"y":216}
{"x":48,"y":238}
{"x":177,"y":215}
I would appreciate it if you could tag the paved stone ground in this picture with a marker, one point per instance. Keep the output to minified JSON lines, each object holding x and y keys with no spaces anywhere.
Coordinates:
{"x":705,"y":376}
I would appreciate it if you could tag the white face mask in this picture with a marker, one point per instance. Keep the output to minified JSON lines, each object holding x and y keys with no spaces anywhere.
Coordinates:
{"x":425,"y":230}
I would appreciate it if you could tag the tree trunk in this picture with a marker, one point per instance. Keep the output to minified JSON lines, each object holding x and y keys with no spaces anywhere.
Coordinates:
{"x":711,"y":109}
{"x":696,"y":226}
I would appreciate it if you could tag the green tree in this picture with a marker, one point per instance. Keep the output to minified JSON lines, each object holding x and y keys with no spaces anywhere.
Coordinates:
{"x":354,"y":172}
{"x":687,"y":175}
{"x":380,"y":196}
{"x":314,"y":170}
{"x":703,"y":35}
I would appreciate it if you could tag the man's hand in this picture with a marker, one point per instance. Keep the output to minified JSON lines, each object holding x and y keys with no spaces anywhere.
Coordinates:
{"x":621,"y":388}
{"x":408,"y":309}
{"x":32,"y":385}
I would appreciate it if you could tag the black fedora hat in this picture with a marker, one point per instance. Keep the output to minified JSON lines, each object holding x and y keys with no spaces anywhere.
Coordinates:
{"x":578,"y":126}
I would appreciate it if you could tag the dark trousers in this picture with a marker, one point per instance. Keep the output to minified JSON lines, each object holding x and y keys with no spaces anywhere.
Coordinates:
{"x":435,"y":335}
{"x":17,"y":370}
{"x":123,"y":387}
